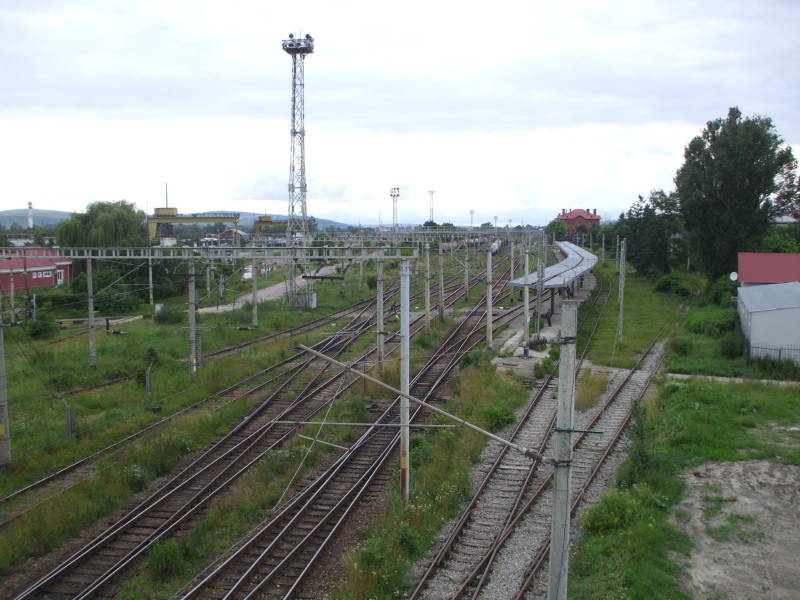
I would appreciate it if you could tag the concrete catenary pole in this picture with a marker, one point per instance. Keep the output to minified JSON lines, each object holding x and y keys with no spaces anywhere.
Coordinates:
{"x":427,"y":285}
{"x":562,"y":448}
{"x":540,"y":285}
{"x":361,"y":272}
{"x":150,"y":280}
{"x":466,"y":268}
{"x":208,"y":279}
{"x":441,"y":283}
{"x":379,"y":310}
{"x":92,"y":332}
{"x":405,"y":464}
{"x":192,"y":322}
{"x":254,"y":300}
{"x":621,"y":319}
{"x":489,"y":299}
{"x":526,"y":298}
{"x":511,"y":254}
{"x":603,"y":249}
{"x":5,"y":429}
{"x":11,"y":296}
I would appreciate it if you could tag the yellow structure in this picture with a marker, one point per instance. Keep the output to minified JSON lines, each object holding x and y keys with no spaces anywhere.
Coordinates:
{"x":170,"y":215}
{"x":265,"y":221}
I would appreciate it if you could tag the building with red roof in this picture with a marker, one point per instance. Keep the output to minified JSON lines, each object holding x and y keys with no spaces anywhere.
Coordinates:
{"x":31,"y":268}
{"x":758,"y":268}
{"x":579,"y":220}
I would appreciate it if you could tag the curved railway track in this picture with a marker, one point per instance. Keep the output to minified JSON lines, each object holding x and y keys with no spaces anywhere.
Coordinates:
{"x":96,"y":568}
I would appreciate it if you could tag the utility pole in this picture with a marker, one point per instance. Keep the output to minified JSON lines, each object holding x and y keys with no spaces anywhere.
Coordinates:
{"x":466,"y":270}
{"x":620,"y":319}
{"x":540,"y":284}
{"x":5,"y":426}
{"x":427,"y":286}
{"x":441,"y":283}
{"x":150,"y":281}
{"x":603,"y":250}
{"x":562,"y":449}
{"x":525,"y":299}
{"x":208,"y":278}
{"x":254,"y":301}
{"x":395,"y":194}
{"x":92,"y":332}
{"x":489,"y":299}
{"x":616,"y":254}
{"x":379,"y":310}
{"x":192,"y":323}
{"x":431,"y":192}
{"x":405,"y":464}
{"x":361,"y":272}
{"x":11,"y":291}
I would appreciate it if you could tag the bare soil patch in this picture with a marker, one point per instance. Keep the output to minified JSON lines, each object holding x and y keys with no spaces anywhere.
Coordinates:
{"x":743,"y":520}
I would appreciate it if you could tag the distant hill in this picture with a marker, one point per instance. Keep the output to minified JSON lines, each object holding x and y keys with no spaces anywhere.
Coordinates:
{"x":41,"y":218}
{"x":51,"y":218}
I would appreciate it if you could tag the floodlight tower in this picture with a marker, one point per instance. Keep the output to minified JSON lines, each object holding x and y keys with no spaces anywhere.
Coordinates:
{"x":395,"y":194}
{"x":297,"y":227}
{"x":431,"y":192}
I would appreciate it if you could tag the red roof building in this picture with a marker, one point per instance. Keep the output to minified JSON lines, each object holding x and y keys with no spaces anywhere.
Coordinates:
{"x":579,"y":220}
{"x":32,"y":272}
{"x":757,"y":268}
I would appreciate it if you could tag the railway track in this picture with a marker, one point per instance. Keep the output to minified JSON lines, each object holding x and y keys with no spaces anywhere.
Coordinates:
{"x":276,"y":559}
{"x":509,"y":517}
{"x":96,"y":568}
{"x":19,"y":502}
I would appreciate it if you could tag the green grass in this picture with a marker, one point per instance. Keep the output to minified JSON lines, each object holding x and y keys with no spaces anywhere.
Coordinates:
{"x":440,"y":464}
{"x":628,"y":547}
{"x":647,"y":314}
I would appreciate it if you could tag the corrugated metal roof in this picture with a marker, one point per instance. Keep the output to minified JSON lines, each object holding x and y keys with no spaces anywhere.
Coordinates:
{"x":776,"y":296}
{"x":768,"y":267}
{"x":576,"y":263}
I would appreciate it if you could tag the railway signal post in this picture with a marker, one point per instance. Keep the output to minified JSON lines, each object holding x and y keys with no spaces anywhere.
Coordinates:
{"x":562,"y":448}
{"x":405,"y":464}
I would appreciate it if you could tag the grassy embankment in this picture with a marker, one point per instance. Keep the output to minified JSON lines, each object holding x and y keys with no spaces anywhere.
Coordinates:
{"x":629,"y":547}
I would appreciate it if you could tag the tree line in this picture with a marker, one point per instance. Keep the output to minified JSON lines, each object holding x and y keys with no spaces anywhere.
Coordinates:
{"x":737,"y":178}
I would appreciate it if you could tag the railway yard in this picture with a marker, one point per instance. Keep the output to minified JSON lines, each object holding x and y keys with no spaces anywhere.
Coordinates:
{"x":271,"y":472}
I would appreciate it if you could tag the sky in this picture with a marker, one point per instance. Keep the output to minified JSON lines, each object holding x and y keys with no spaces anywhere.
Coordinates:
{"x":514,"y":109}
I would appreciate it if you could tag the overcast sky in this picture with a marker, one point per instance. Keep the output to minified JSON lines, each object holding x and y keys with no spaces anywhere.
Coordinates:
{"x":514,"y":109}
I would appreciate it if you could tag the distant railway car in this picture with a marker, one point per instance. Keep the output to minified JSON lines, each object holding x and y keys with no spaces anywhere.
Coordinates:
{"x":495,"y":246}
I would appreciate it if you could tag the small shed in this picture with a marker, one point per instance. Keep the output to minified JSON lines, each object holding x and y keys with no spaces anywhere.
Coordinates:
{"x":770,"y":319}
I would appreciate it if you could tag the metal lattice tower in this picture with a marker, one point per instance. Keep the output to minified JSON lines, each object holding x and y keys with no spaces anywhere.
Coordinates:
{"x":297,"y":227}
{"x":431,"y":192}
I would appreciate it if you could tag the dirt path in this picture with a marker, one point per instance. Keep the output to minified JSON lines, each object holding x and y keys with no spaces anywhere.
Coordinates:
{"x":271,"y":292}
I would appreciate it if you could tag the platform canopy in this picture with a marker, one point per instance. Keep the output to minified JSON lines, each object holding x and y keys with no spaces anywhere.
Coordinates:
{"x":577,"y":262}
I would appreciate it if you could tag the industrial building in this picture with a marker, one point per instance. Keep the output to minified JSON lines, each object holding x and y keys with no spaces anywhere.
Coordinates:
{"x":770,"y":320}
{"x":579,"y":220}
{"x":28,"y":272}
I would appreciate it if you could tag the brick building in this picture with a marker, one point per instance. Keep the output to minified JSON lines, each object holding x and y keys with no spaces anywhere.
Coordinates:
{"x":579,"y":220}
{"x":33,"y":272}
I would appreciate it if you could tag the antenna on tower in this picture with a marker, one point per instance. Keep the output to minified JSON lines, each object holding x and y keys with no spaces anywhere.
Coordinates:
{"x":297,"y":226}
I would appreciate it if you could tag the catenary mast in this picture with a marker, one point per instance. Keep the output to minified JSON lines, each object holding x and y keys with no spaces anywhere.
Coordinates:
{"x":297,"y":233}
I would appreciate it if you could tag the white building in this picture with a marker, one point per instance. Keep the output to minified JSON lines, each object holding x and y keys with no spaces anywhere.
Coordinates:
{"x":770,"y":319}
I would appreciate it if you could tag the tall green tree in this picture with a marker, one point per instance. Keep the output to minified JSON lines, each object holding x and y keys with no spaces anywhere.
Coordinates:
{"x":557,"y":227}
{"x":653,"y":228}
{"x":737,"y":175}
{"x":104,"y":224}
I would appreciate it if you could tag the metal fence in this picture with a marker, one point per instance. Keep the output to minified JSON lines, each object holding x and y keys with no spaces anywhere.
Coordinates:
{"x":777,"y":352}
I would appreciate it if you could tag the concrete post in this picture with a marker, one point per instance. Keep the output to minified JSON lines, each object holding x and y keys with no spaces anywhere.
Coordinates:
{"x":466,"y":269}
{"x":427,"y":286}
{"x":5,"y":426}
{"x":379,"y":310}
{"x":441,"y":283}
{"x":150,"y":299}
{"x":511,"y":254}
{"x":489,"y":299}
{"x":603,"y":249}
{"x":526,"y":299}
{"x":254,"y":300}
{"x":11,"y":295}
{"x":208,"y":279}
{"x":405,"y":464}
{"x":361,"y":273}
{"x":192,"y":323}
{"x":562,"y":450}
{"x":92,"y":332}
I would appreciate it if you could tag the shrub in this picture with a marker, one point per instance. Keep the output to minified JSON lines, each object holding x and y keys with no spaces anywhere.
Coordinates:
{"x":722,"y":290}
{"x":372,"y":281}
{"x":681,"y":345}
{"x":712,"y":322}
{"x":498,"y":416}
{"x":731,"y":345}
{"x":42,"y":327}
{"x":777,"y":369}
{"x":169,"y":316}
